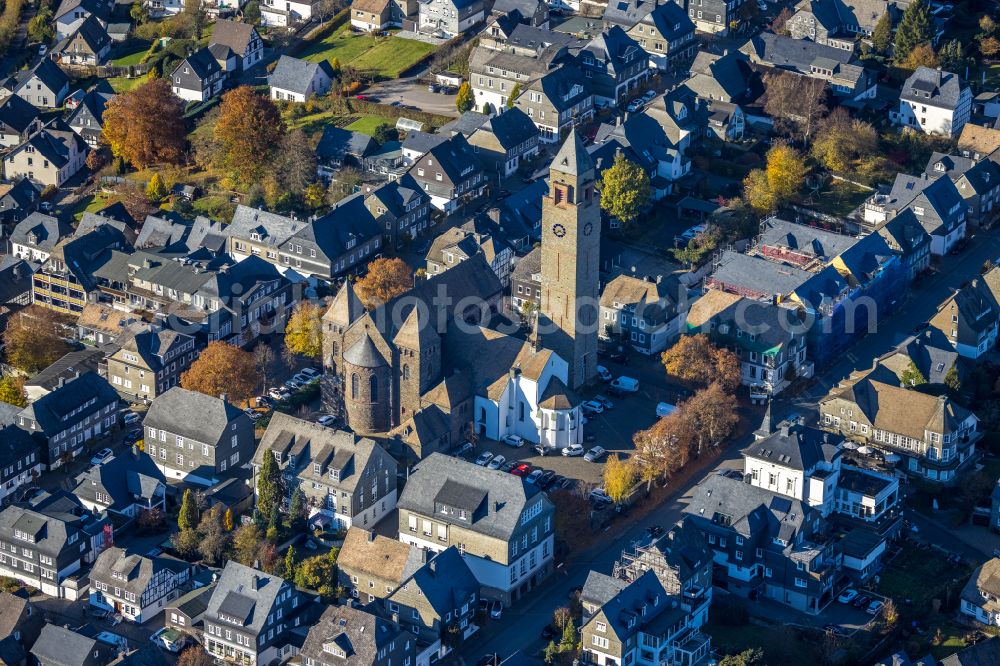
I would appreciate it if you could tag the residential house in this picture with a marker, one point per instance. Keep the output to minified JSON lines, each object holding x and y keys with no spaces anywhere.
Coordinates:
{"x":840,"y":25}
{"x":417,"y":143}
{"x":722,"y":78}
{"x":102,"y":324}
{"x":252,"y":615}
{"x":346,"y":479}
{"x":18,"y":120}
{"x":614,"y":66}
{"x":20,"y":625}
{"x":20,"y":459}
{"x":978,"y":181}
{"x":87,"y":119}
{"x":645,"y":313}
{"x":60,"y":646}
{"x":533,"y":13}
{"x":344,"y":240}
{"x":370,"y":566}
{"x":557,"y":101}
{"x":70,"y":416}
{"x":501,"y":526}
{"x":242,"y":39}
{"x":969,"y":317}
{"x":71,"y":14}
{"x":765,"y":543}
{"x":934,"y":102}
{"x":199,"y":451}
{"x":297,"y":80}
{"x":287,"y":14}
{"x":338,"y":147}
{"x":66,"y":281}
{"x":506,"y":142}
{"x":186,"y":613}
{"x":435,"y":602}
{"x":44,"y":85}
{"x":198,"y":78}
{"x":769,"y":340}
{"x":380,"y":15}
{"x":450,"y":174}
{"x":449,"y":18}
{"x":137,"y":587}
{"x":978,"y":142}
{"x":68,"y":368}
{"x":34,"y":237}
{"x":905,"y":234}
{"x":662,"y":29}
{"x":936,"y":203}
{"x":726,"y":121}
{"x":150,"y":362}
{"x":847,"y":78}
{"x":933,"y":435}
{"x":15,"y":288}
{"x":127,"y":485}
{"x":88,"y":45}
{"x":981,"y":594}
{"x":526,"y":282}
{"x":346,"y":636}
{"x":46,"y":545}
{"x":18,"y":200}
{"x":51,"y":156}
{"x":714,"y":16}
{"x":401,"y":209}
{"x":642,"y":624}
{"x":459,"y":243}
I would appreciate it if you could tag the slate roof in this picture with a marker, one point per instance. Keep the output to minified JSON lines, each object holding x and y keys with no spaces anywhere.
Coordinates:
{"x":933,"y":87}
{"x":202,"y":63}
{"x":171,"y":411}
{"x":505,"y":496}
{"x":940,"y":192}
{"x":98,"y":7}
{"x":759,"y":274}
{"x":445,"y":581}
{"x":983,"y":653}
{"x":572,"y":157}
{"x":138,"y":571}
{"x":558,"y":85}
{"x":274,"y":229}
{"x":246,"y":594}
{"x":952,"y":166}
{"x":91,"y":32}
{"x":363,"y":636}
{"x":838,"y":15}
{"x":126,"y":479}
{"x":511,"y":128}
{"x":633,"y":607}
{"x":797,"y":447}
{"x":49,"y":410}
{"x":51,"y":528}
{"x":69,"y":367}
{"x":801,"y":54}
{"x":48,"y":231}
{"x":17,"y":114}
{"x":59,"y":646}
{"x":712,"y":74}
{"x":297,"y":75}
{"x":527,"y":8}
{"x":23,"y":193}
{"x":802,"y":239}
{"x":151,"y":345}
{"x":466,"y":124}
{"x":336,"y":143}
{"x":51,"y":76}
{"x":423,"y":142}
{"x":747,"y":509}
{"x":601,"y":588}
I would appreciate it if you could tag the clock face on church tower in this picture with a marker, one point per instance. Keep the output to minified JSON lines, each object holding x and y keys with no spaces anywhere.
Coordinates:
{"x":588,"y":229}
{"x":559,"y":230}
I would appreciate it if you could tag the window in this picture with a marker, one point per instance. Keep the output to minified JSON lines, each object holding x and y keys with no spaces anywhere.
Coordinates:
{"x":354,"y":386}
{"x":600,"y":641}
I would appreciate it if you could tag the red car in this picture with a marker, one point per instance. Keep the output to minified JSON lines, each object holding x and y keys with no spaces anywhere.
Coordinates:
{"x":521,"y":470}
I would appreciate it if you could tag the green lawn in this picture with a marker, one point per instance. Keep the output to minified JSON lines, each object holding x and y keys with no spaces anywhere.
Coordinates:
{"x":781,"y":644}
{"x":921,"y":576}
{"x":368,"y":124}
{"x":840,"y":198}
{"x":91,"y":204}
{"x":120,"y":84}
{"x":311,"y":123}
{"x":387,"y":56}
{"x":132,"y":57}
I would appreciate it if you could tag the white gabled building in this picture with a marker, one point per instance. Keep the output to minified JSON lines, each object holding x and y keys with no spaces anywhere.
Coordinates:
{"x":284,"y":14}
{"x":934,"y":102}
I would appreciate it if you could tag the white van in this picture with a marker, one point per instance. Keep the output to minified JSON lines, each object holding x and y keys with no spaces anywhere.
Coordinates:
{"x":625,"y":384}
{"x":664,"y":409}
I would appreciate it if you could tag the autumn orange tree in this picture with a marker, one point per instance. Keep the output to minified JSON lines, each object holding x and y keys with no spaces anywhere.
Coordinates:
{"x":664,"y":448}
{"x":145,"y":126}
{"x":247,"y":133}
{"x":34,"y":338}
{"x":694,"y":358}
{"x":304,"y":332}
{"x":711,"y":416}
{"x":223,"y":368}
{"x":386,"y":279}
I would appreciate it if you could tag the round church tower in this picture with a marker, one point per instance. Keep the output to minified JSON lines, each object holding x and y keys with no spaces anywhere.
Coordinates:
{"x":367,"y":381}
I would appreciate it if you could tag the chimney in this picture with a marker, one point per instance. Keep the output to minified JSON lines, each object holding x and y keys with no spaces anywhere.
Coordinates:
{"x":659,"y":279}
{"x":784,"y":430}
{"x":432,"y":565}
{"x":256,"y":582}
{"x":224,"y":397}
{"x":371,"y":537}
{"x":494,"y":214}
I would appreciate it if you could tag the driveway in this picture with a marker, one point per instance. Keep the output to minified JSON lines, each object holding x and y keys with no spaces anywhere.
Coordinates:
{"x":412,"y":92}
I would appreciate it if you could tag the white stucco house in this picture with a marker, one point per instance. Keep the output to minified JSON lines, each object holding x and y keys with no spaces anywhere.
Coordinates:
{"x":934,"y":102}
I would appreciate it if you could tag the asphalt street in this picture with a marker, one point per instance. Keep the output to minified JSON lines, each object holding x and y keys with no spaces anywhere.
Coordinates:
{"x":527,"y":618}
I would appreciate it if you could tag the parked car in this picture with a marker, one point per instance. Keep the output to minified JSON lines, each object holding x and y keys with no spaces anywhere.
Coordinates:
{"x":649,"y":96}
{"x":592,"y":407}
{"x":546,"y":478}
{"x":509,"y":466}
{"x":573,"y":450}
{"x":634,"y":106}
{"x":875,"y":607}
{"x":664,"y":409}
{"x":484,"y":458}
{"x":513,"y":440}
{"x":625,"y":384}
{"x":603,"y":373}
{"x":262,"y":402}
{"x":521,"y":470}
{"x":496,"y":462}
{"x":169,"y":639}
{"x":102,"y":456}
{"x":534,"y":476}
{"x":130,"y":417}
{"x":462,"y":449}
{"x":293,"y":385}
{"x":312,"y":373}
{"x":861,"y":601}
{"x":541,"y":449}
{"x":604,"y":401}
{"x":848,"y":595}
{"x":302,"y":379}
{"x":133,"y":436}
{"x":326,"y":420}
{"x":42,"y":50}
{"x":594,"y":454}
{"x":496,"y":609}
{"x":598,"y":495}
{"x":278,"y":394}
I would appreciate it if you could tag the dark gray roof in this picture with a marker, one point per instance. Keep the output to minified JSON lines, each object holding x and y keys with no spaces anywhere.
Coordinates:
{"x":51,"y":76}
{"x":423,"y":142}
{"x":511,"y":128}
{"x":445,"y":581}
{"x":747,"y":509}
{"x":91,"y":32}
{"x":126,"y":479}
{"x":245,"y":593}
{"x":59,"y":646}
{"x":362,"y":636}
{"x":506,"y":496}
{"x":796,"y":446}
{"x":46,"y":230}
{"x":274,"y":229}
{"x":759,"y":274}
{"x":336,"y":143}
{"x":50,"y":410}
{"x":634,"y":606}
{"x":297,"y":75}
{"x":67,"y":368}
{"x":572,"y":157}
{"x":601,"y":588}
{"x":171,"y":411}
{"x":465,"y":124}
{"x":984,"y":653}
{"x":132,"y":572}
{"x":17,"y":114}
{"x":234,"y":34}
{"x":203,"y":66}
{"x":364,"y":354}
{"x":932,"y":86}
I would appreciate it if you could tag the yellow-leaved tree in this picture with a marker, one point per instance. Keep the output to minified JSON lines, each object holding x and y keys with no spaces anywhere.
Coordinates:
{"x":620,"y":476}
{"x":304,"y":331}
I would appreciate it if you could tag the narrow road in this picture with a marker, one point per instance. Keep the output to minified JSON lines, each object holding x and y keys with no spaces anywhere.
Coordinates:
{"x":20,"y":41}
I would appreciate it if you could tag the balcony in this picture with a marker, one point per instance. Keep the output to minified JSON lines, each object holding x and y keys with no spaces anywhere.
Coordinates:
{"x":688,"y":649}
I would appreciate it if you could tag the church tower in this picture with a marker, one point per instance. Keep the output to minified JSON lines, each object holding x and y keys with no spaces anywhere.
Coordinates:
{"x":571,"y":246}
